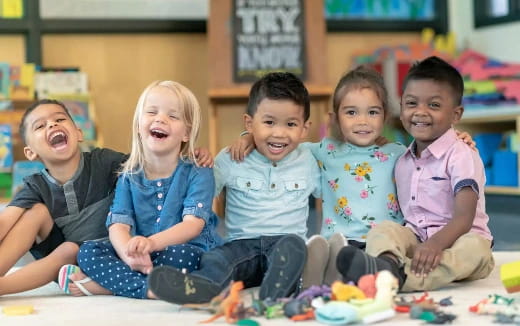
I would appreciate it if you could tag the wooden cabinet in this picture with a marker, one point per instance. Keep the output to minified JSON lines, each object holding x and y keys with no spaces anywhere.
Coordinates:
{"x":493,"y":119}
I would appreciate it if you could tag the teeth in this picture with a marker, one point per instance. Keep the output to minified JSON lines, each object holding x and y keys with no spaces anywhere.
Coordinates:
{"x":277,"y":145}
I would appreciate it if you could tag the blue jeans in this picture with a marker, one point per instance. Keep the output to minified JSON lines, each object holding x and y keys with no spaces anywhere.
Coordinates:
{"x":244,"y":260}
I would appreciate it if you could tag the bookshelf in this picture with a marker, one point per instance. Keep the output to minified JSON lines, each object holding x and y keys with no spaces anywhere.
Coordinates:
{"x":493,"y":119}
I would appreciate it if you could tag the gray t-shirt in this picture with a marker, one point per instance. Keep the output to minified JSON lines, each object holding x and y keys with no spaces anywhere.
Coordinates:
{"x":80,"y":206}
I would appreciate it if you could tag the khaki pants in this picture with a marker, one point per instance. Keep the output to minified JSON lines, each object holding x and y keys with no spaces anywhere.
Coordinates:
{"x":470,"y":257}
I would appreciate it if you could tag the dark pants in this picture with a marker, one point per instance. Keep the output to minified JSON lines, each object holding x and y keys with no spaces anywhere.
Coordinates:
{"x":246,"y":260}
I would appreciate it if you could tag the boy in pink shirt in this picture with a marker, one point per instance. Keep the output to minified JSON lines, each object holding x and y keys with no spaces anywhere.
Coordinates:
{"x":440,"y":186}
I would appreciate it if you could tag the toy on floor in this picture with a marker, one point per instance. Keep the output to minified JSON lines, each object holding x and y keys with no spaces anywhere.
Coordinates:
{"x":227,"y":304}
{"x":18,"y":310}
{"x":366,"y":310}
{"x":510,"y":276}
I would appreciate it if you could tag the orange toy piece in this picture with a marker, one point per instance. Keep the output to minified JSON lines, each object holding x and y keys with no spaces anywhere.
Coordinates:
{"x":227,"y":307}
{"x":367,"y":284}
{"x":308,"y":315}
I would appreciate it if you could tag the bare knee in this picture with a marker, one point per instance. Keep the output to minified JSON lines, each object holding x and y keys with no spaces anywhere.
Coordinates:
{"x":67,"y":251}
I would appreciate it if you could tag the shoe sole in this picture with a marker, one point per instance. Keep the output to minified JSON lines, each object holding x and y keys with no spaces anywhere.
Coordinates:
{"x":171,"y":285}
{"x":285,"y":270}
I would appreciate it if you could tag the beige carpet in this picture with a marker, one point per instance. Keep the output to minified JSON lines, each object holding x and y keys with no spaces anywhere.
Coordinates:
{"x":54,"y":308}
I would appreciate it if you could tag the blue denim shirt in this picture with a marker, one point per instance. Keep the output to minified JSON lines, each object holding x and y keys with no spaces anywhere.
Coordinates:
{"x":267,"y":198}
{"x":152,"y":206}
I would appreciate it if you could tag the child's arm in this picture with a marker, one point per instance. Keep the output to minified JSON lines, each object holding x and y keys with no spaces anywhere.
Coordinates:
{"x":182,"y":232}
{"x":466,"y":138}
{"x":244,"y":145}
{"x":8,"y":218}
{"x":132,"y":250}
{"x":204,"y":157}
{"x":428,"y":254}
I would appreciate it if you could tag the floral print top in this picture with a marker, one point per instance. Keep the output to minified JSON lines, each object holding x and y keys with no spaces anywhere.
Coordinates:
{"x":358,"y":186}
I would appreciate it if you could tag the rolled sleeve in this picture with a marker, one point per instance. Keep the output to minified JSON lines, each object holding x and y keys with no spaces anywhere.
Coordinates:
{"x":222,"y":164}
{"x":199,"y":198}
{"x":122,"y":210}
{"x":466,"y":170}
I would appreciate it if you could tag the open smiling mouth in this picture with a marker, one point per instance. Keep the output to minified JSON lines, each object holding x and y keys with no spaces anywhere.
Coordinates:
{"x":58,"y":139}
{"x":159,"y":134}
{"x":277,"y":147}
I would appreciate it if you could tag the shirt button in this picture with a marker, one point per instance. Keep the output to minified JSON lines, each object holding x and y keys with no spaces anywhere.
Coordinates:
{"x":273,"y":185}
{"x":159,"y":207}
{"x":296,"y":185}
{"x":413,"y":197}
{"x":248,"y":184}
{"x":158,"y":220}
{"x":200,"y":205}
{"x":159,"y":195}
{"x":274,"y":164}
{"x":159,"y":183}
{"x":418,"y":168}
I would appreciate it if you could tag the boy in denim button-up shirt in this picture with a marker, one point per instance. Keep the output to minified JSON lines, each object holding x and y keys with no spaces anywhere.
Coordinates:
{"x":266,"y":203}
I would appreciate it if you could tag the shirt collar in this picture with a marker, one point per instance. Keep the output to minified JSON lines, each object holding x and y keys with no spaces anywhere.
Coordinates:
{"x":439,"y":147}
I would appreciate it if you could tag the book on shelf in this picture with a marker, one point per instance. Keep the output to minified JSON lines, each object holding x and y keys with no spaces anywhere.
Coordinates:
{"x":22,"y":169}
{"x":6,"y":148}
{"x":22,"y":82}
{"x":4,"y":80}
{"x":79,"y":108}
{"x":61,"y":82}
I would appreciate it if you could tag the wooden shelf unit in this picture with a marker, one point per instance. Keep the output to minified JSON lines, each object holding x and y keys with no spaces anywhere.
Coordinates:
{"x":493,"y":119}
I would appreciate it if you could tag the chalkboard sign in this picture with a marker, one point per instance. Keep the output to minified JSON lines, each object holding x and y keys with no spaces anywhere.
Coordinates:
{"x":268,"y":35}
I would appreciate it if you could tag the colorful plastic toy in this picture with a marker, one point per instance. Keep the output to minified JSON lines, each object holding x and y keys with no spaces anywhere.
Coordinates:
{"x":510,"y":276}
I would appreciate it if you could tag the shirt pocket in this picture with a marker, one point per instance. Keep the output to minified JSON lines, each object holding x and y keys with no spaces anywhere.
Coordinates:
{"x":248,"y":186}
{"x":439,"y":191}
{"x":295,"y":188}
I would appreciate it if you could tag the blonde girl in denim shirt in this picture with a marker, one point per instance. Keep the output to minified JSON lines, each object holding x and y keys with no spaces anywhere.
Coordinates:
{"x":161,"y":214}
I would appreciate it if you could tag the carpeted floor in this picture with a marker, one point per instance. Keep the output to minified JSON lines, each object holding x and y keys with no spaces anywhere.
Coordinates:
{"x":55,"y":308}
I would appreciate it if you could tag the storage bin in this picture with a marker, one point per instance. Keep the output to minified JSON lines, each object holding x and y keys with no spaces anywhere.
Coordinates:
{"x":505,"y":169}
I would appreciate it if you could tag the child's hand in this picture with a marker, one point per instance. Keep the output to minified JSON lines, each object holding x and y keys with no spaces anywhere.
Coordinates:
{"x":140,"y":263}
{"x":426,"y":257}
{"x":466,"y":138}
{"x":241,"y":147}
{"x":381,"y":140}
{"x":203,"y":157}
{"x":139,"y":245}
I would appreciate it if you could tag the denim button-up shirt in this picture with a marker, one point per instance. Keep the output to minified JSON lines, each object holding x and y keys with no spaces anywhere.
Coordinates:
{"x":152,"y":206}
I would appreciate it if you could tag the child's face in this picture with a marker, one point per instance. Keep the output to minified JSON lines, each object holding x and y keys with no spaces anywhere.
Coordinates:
{"x":161,"y":125}
{"x":51,"y":135}
{"x":428,"y":110}
{"x":361,"y":117}
{"x":277,"y":127}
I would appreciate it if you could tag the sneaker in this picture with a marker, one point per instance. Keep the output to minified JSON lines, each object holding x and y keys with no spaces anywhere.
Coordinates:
{"x":286,"y":264}
{"x":336,"y":242}
{"x":317,"y":257}
{"x":172,"y":285}
{"x":353,"y":263}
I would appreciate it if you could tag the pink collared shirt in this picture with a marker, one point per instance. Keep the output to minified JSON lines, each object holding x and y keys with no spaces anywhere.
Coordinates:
{"x":426,"y":186}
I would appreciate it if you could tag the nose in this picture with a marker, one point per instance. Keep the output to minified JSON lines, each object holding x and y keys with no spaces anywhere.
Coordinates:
{"x":279,"y":131}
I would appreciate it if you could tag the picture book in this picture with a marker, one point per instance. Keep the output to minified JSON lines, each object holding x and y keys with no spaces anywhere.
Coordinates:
{"x":22,"y":169}
{"x":6,"y":148}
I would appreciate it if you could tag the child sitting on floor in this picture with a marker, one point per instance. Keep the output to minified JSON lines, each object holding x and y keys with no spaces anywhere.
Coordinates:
{"x":440,"y":186}
{"x":267,"y":203}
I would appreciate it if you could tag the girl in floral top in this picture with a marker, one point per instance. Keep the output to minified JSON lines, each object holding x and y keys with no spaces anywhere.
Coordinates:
{"x":357,"y":174}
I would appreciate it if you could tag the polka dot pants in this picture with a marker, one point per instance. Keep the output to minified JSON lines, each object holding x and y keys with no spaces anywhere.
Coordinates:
{"x":99,"y":260}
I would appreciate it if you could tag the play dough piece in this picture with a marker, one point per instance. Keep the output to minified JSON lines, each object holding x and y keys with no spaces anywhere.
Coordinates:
{"x":18,"y":310}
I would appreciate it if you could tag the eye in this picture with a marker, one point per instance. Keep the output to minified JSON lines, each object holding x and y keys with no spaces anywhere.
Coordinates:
{"x":435,"y":105}
{"x":38,"y":126}
{"x":410,"y":103}
{"x":174,"y":117}
{"x":292,"y":124}
{"x":350,"y":112}
{"x":60,"y":119}
{"x":374,"y":112}
{"x":269,"y":122}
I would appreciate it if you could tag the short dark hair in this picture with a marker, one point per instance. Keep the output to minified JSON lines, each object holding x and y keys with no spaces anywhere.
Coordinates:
{"x":279,"y":86}
{"x":23,"y":128}
{"x":438,"y":70}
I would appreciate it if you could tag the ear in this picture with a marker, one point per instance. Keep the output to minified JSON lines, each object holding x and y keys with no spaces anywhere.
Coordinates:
{"x":30,"y":154}
{"x":458,"y":111}
{"x":186,"y":136}
{"x":306,"y":128}
{"x":248,"y":123}
{"x":80,"y":135}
